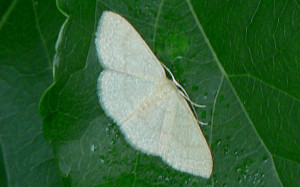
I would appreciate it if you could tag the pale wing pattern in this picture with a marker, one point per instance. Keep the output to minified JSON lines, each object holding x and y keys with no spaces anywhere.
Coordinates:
{"x":145,"y":129}
{"x":120,"y":93}
{"x":135,"y":92}
{"x":121,"y":48}
{"x":187,"y":150}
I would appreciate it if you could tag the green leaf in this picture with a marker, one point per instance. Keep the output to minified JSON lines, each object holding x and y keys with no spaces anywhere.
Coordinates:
{"x":238,"y":58}
{"x":28,"y":32}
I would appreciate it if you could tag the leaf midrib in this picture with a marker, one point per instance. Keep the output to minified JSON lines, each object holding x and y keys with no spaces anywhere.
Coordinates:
{"x":230,"y":84}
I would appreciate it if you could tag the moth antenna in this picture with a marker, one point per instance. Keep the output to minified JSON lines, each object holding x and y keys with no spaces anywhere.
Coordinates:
{"x":186,"y":96}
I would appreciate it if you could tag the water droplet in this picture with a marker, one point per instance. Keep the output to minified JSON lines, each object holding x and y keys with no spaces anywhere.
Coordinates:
{"x":244,"y":176}
{"x":102,"y":158}
{"x":239,"y":170}
{"x":112,"y":142}
{"x":256,"y":178}
{"x":205,"y":95}
{"x":179,"y":57}
{"x":259,"y":181}
{"x":93,"y":148}
{"x":240,"y":179}
{"x":215,"y":178}
{"x":236,"y":153}
{"x":226,"y":149}
{"x":160,"y":178}
{"x":265,"y":159}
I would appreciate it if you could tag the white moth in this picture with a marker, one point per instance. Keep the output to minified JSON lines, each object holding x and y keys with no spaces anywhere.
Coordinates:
{"x":150,"y":110}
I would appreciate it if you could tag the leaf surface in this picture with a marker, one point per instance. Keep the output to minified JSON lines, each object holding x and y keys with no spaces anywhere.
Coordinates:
{"x":28,"y":32}
{"x":238,"y":58}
